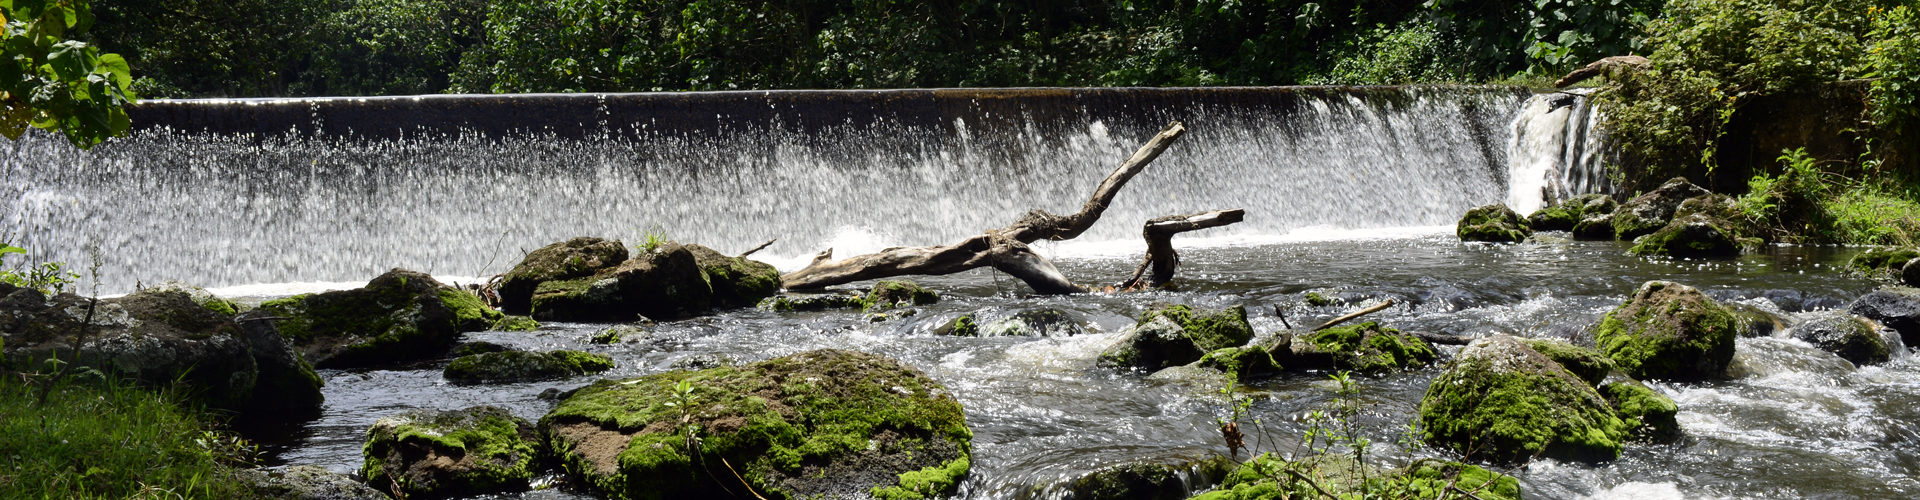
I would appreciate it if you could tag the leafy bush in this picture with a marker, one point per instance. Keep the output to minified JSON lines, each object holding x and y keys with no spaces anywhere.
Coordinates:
{"x":1412,"y":53}
{"x":47,"y":277}
{"x":1893,"y":65}
{"x":1542,"y":36}
{"x":52,"y":82}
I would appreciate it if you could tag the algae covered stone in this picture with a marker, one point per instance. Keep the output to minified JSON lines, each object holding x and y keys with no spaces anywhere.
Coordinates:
{"x":1177,"y":335}
{"x":1038,"y":322}
{"x":1649,"y":212}
{"x":1648,"y":415}
{"x":1882,"y":261}
{"x":888,"y":294}
{"x":1564,"y":215}
{"x":1853,"y":338}
{"x":736,"y":281}
{"x":1692,"y":236}
{"x":828,"y":423}
{"x":524,"y":366}
{"x":438,"y":454}
{"x":566,"y":260}
{"x":1668,"y":331}
{"x":1503,"y":401}
{"x":515,"y":324}
{"x":398,"y":317}
{"x":1494,"y":223}
{"x":1365,"y":348}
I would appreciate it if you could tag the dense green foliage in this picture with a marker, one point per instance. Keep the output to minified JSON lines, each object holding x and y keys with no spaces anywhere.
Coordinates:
{"x":368,"y":47}
{"x":47,"y":277}
{"x":108,"y":440}
{"x":51,"y":82}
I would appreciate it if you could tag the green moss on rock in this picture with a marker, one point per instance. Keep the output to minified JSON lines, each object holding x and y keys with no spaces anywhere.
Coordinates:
{"x":963,"y":326}
{"x":1649,"y":212}
{"x":1648,"y":415}
{"x":1668,"y":331}
{"x":524,"y":366}
{"x":890,"y":294}
{"x":1366,"y":348}
{"x":1691,"y":236}
{"x":1244,"y":363}
{"x":1178,"y":335}
{"x":1565,"y":215}
{"x":439,"y":454}
{"x":1588,"y":364}
{"x":400,"y":316}
{"x":1161,"y":479}
{"x":515,"y":324}
{"x":1265,"y":477}
{"x":1882,"y":262}
{"x":736,"y":281}
{"x":1505,"y":402}
{"x":1316,"y":299}
{"x":793,"y":427}
{"x":813,"y":303}
{"x":572,"y":259}
{"x":1493,"y":223}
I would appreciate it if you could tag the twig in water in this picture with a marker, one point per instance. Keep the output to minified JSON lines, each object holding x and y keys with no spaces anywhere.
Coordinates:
{"x":1282,"y":315}
{"x":1363,"y":312}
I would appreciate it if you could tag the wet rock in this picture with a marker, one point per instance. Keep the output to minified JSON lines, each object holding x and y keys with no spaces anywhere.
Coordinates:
{"x":1594,"y":228}
{"x":1244,"y":363}
{"x":736,"y":281}
{"x":1910,"y":272}
{"x":1649,"y":416}
{"x":1177,"y":335}
{"x":1198,"y":378}
{"x":961,"y":326}
{"x":789,"y":303}
{"x":1364,"y":348}
{"x":1649,"y":212}
{"x":620,"y":333}
{"x":1751,"y":321}
{"x":899,"y":293}
{"x":1896,"y":307}
{"x":515,"y":324}
{"x":702,"y":362}
{"x":1042,"y":322}
{"x":825,"y":423}
{"x":1668,"y":331}
{"x":1261,"y":478}
{"x":567,"y":260}
{"x":477,"y":347}
{"x":1883,"y":262}
{"x":1853,"y":338}
{"x":1566,"y":214}
{"x":1691,"y":236}
{"x":1588,"y":364}
{"x":1317,"y":299}
{"x":665,"y":282}
{"x":1172,"y":479}
{"x":304,"y":482}
{"x":1495,"y":223}
{"x":524,"y":366}
{"x":441,"y":454}
{"x":1771,"y":356}
{"x":160,"y":336}
{"x":398,"y":317}
{"x":1503,"y":401}
{"x":200,"y":296}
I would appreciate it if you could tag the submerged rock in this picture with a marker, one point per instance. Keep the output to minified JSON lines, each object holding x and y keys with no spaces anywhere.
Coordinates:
{"x":1365,"y":348}
{"x":825,"y":423}
{"x":1853,"y":338}
{"x":303,"y":482}
{"x":1151,"y":479}
{"x":524,"y":366}
{"x":824,"y":302}
{"x":160,"y":336}
{"x":1694,"y":235}
{"x":1565,"y":215}
{"x":439,"y":454}
{"x":961,"y":326}
{"x":1669,"y":331}
{"x":566,"y":260}
{"x":1244,"y":363}
{"x":398,"y":317}
{"x":1041,"y":322}
{"x":1649,"y":212}
{"x":1896,"y":307}
{"x":1504,"y":401}
{"x":1495,"y":223}
{"x":1177,"y":335}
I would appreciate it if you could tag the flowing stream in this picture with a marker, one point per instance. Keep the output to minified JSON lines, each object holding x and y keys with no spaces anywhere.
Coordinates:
{"x":1351,"y":193}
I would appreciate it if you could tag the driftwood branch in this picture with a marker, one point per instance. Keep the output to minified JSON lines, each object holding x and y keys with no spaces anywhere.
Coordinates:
{"x":1003,"y":249}
{"x":1161,"y":257}
{"x":763,"y":246}
{"x":1363,"y":312}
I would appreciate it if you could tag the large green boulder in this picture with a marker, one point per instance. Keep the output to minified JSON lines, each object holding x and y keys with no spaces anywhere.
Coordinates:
{"x":1595,"y":227}
{"x":398,"y":317}
{"x":736,"y":281}
{"x":1363,"y":348}
{"x":1691,"y":236}
{"x":1669,"y":331}
{"x":566,"y":260}
{"x":1648,"y":415}
{"x":666,"y":281}
{"x":825,"y":423}
{"x":1882,"y":262}
{"x":1495,"y":223}
{"x":1503,"y":401}
{"x":1568,"y":213}
{"x":524,"y":366}
{"x":1853,"y":338}
{"x":459,"y":453}
{"x":1177,"y":335}
{"x":1649,"y":212}
{"x":161,"y":337}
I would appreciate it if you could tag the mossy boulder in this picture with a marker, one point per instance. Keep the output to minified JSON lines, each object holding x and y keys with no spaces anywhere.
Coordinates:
{"x":1649,"y":415}
{"x":1910,"y":272}
{"x":808,"y":303}
{"x":1691,"y":236}
{"x":442,"y":454}
{"x":1177,"y":335}
{"x":1165,"y":479}
{"x":888,"y":294}
{"x":736,"y":281}
{"x":1668,"y":331}
{"x":1568,"y":213}
{"x":1494,"y":223}
{"x":1264,"y":477}
{"x":398,"y":317}
{"x":1503,"y":401}
{"x":524,"y":366}
{"x":567,"y":260}
{"x":1365,"y":348}
{"x":666,"y":282}
{"x":515,"y":324}
{"x":825,"y":423}
{"x":1649,"y":212}
{"x":160,"y":337}
{"x":1853,"y":338}
{"x":1245,"y":362}
{"x":1038,"y":322}
{"x":1751,"y":321}
{"x":303,"y":482}
{"x":960,"y":326}
{"x":1317,"y":299}
{"x":1589,"y":365}
{"x":1895,"y":307}
{"x":1595,"y":227}
{"x":477,"y":347}
{"x":1882,"y":262}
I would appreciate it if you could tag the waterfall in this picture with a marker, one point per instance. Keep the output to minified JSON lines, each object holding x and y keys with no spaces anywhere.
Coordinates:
{"x":1555,"y":151}
{"x":239,"y":191}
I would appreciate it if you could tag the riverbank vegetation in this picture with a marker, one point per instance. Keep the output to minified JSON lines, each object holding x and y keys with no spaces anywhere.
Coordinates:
{"x":91,"y":437}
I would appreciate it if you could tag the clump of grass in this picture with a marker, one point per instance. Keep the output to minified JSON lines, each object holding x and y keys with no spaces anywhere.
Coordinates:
{"x":1872,"y":216}
{"x":110,"y":439}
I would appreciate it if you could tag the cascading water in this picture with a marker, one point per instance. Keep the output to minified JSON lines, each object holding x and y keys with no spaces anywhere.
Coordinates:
{"x":339,"y":190}
{"x":1555,"y":151}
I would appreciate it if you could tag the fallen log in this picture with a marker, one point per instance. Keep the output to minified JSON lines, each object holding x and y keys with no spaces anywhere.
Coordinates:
{"x":1161,"y":257}
{"x":1003,"y":249}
